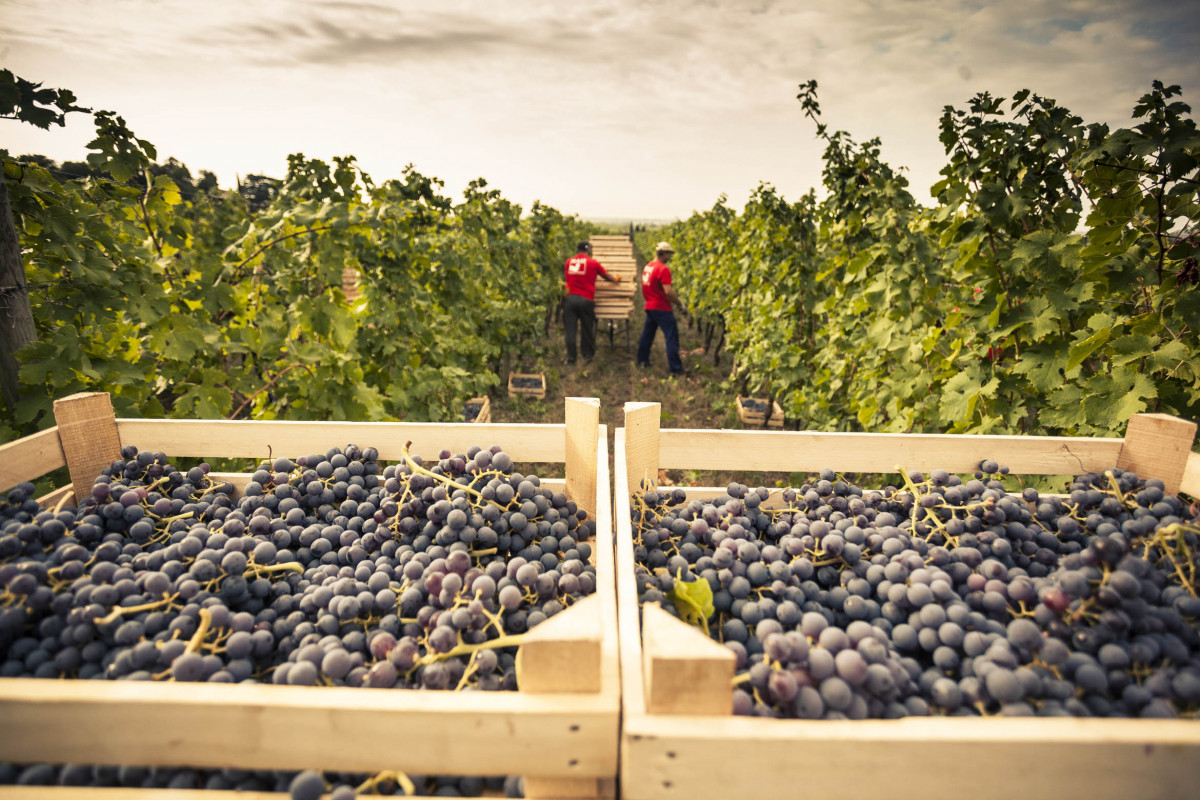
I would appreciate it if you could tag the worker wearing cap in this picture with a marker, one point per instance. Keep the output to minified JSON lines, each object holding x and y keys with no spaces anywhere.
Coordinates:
{"x":659,"y":299}
{"x":579,"y":308}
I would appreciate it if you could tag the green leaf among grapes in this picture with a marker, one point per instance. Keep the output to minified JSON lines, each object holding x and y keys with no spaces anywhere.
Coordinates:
{"x":693,"y":601}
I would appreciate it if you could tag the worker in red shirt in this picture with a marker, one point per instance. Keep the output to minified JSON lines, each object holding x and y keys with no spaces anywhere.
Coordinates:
{"x":579,"y":308}
{"x":660,"y":298}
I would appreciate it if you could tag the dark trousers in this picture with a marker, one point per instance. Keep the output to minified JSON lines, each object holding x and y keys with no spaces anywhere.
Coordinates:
{"x":582,"y":312}
{"x":666,"y":321}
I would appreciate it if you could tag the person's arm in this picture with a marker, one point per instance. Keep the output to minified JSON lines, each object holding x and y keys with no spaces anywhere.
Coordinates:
{"x":669,"y":291}
{"x":603,"y":273}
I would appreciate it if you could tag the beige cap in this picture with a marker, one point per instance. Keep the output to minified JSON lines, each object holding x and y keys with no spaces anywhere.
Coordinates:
{"x":663,"y":247}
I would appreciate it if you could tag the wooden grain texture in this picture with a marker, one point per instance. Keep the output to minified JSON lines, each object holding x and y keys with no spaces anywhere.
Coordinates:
{"x":562,"y":655}
{"x":87,"y":429}
{"x":628,"y":621}
{"x":254,"y":439}
{"x":1190,"y":483}
{"x":932,"y":758}
{"x":808,"y":451}
{"x":278,"y":727}
{"x":641,"y":443}
{"x":582,"y":418}
{"x":30,"y":457}
{"x":683,"y":670}
{"x":1158,"y":446}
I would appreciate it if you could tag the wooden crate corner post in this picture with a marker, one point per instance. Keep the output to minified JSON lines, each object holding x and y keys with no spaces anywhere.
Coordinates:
{"x":563,"y":656}
{"x":685,"y":671}
{"x":642,"y":421}
{"x":582,"y":417}
{"x":1157,"y":446}
{"x":87,"y":428}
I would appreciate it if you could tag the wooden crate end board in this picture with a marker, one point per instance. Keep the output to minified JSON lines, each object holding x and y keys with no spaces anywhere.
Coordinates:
{"x":685,"y":671}
{"x":87,"y":429}
{"x":1157,"y":446}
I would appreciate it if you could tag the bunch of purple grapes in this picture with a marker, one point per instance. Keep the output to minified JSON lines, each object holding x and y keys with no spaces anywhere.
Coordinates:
{"x":940,"y":596}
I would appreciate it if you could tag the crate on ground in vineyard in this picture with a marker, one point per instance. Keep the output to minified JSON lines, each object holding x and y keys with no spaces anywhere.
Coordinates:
{"x":680,"y":737}
{"x":559,"y":729}
{"x":478,"y":409}
{"x":752,"y":411}
{"x":527,"y":384}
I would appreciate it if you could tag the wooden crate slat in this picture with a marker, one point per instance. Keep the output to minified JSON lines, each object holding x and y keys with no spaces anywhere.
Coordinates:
{"x":809,"y":451}
{"x":1158,"y":445}
{"x":30,"y":458}
{"x":87,"y":429}
{"x":1190,"y":482}
{"x":254,"y":439}
{"x":52,"y":499}
{"x":281,"y":727}
{"x":582,"y":415}
{"x":698,"y":757}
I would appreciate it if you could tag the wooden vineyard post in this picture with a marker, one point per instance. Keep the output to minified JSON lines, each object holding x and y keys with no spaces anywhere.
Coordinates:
{"x":583,"y":433}
{"x":641,"y":444}
{"x":562,"y":656}
{"x":87,"y":429}
{"x":685,"y":671}
{"x":1157,"y":446}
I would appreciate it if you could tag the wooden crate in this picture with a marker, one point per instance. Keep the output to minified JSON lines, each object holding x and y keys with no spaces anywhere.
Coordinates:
{"x":752,"y":418}
{"x":560,"y":730}
{"x":679,"y":739}
{"x":538,"y":391}
{"x":485,"y":409}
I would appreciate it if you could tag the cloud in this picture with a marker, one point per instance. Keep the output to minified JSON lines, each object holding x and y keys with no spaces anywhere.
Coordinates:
{"x":606,"y":106}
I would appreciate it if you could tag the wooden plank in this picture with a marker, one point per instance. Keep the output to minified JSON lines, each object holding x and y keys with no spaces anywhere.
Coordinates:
{"x":255,"y":439}
{"x":628,"y":620}
{"x":562,"y":655}
{"x":641,"y":444}
{"x":684,"y":671}
{"x":87,"y":429}
{"x":30,"y":457}
{"x":1190,"y":483}
{"x":1157,"y":446}
{"x":52,"y":499}
{"x":582,"y":415}
{"x":998,"y":758}
{"x":291,"y":727}
{"x":810,"y":451}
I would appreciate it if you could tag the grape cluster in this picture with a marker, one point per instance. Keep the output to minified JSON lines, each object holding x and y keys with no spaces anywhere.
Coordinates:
{"x":306,"y":785}
{"x":943,"y":596}
{"x":332,"y":569}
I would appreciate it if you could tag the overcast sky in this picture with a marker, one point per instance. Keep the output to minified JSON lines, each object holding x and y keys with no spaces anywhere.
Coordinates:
{"x":610,"y":108}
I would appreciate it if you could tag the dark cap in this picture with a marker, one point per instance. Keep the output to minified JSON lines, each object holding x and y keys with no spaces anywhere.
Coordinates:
{"x":584,"y":247}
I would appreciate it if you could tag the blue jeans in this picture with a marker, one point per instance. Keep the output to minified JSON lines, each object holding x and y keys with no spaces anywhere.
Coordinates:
{"x":666,"y":321}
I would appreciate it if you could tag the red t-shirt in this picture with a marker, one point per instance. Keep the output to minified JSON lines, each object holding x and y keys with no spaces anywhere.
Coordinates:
{"x":581,"y":271}
{"x":655,"y":276}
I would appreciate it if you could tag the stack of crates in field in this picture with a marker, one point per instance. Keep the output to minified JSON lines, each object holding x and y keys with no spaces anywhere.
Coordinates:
{"x":614,"y":301}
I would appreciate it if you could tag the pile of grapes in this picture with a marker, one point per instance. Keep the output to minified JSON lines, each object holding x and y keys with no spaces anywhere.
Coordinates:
{"x":939,"y":597}
{"x":329,"y":570}
{"x":307,"y":785}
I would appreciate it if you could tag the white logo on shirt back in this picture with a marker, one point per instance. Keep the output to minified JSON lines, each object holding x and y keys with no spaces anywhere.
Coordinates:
{"x":647,"y":272}
{"x":577,"y":266}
